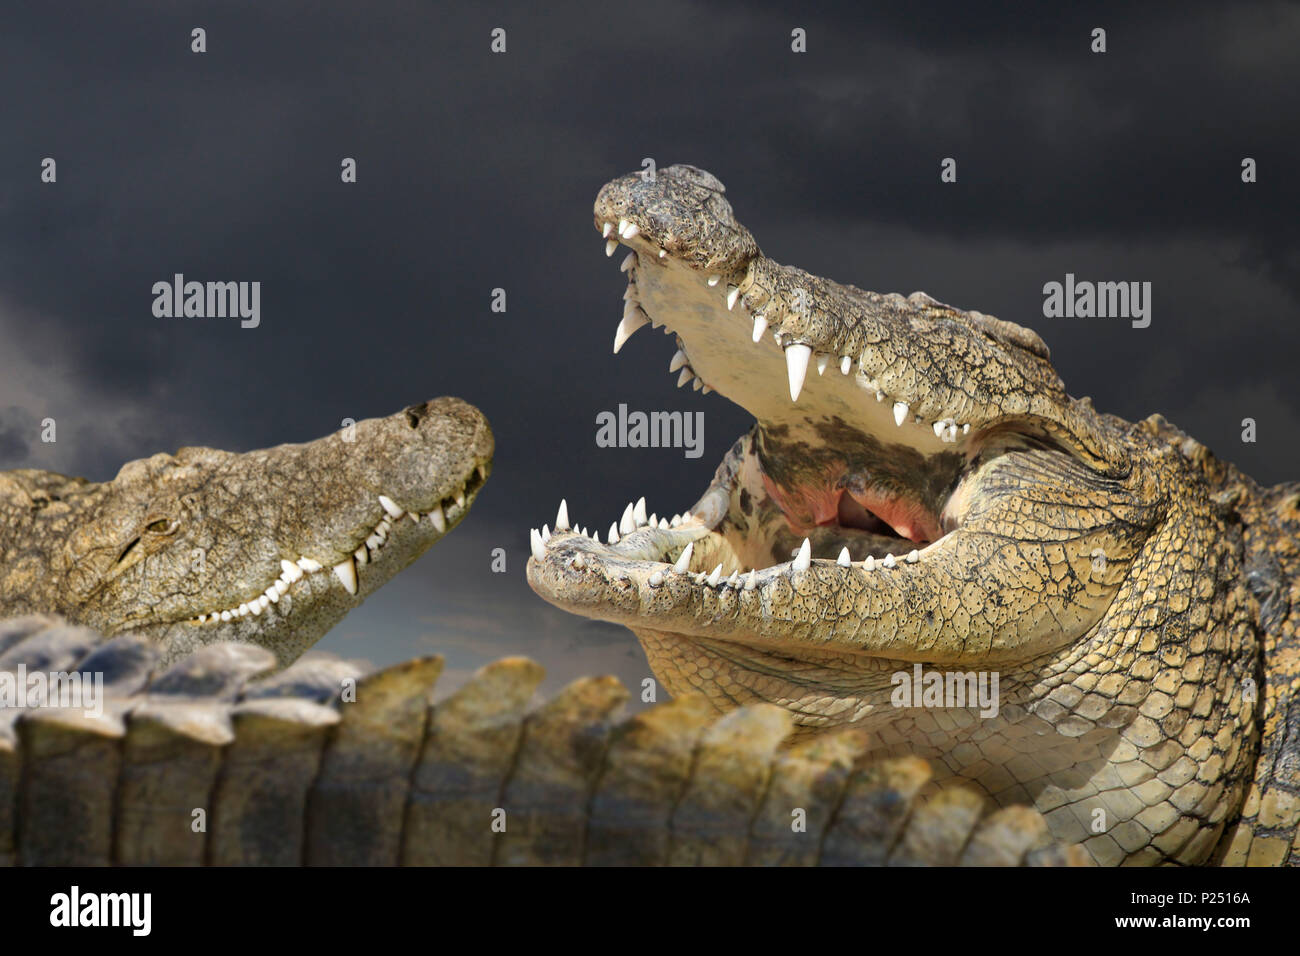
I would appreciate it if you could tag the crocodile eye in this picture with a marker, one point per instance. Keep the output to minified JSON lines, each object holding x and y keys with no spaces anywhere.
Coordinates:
{"x":162,"y":526}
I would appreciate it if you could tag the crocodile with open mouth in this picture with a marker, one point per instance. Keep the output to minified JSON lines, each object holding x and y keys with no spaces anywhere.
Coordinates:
{"x":920,"y":494}
{"x":271,"y":547}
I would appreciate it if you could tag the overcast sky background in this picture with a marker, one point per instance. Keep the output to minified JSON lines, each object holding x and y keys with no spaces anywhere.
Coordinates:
{"x":478,"y":170}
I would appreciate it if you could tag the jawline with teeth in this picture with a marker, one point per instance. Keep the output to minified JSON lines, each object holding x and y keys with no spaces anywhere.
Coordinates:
{"x":345,"y":572}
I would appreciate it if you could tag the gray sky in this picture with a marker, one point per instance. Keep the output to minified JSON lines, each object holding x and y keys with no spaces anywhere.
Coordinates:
{"x":478,"y":170}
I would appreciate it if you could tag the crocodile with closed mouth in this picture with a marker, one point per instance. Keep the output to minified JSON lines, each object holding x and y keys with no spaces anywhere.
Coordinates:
{"x":271,"y":547}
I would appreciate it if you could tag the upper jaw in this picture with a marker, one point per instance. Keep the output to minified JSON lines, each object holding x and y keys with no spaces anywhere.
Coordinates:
{"x":756,"y":331}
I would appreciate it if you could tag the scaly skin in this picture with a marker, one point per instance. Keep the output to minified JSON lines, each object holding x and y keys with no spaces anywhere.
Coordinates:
{"x":173,"y":541}
{"x":285,"y":773}
{"x":959,"y":510}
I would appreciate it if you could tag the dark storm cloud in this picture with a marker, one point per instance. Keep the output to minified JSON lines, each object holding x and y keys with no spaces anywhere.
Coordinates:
{"x":15,"y":426}
{"x":477,"y":172}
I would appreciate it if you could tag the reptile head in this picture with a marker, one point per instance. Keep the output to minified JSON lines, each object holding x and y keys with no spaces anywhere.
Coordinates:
{"x":270,"y":547}
{"x":891,"y":503}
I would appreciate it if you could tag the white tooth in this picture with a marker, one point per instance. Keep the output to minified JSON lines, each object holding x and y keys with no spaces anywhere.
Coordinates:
{"x":684,"y":562}
{"x":678,"y":361}
{"x":714,"y":280}
{"x":242,"y":611}
{"x":202,"y":618}
{"x":613,"y":533}
{"x":256,"y":608}
{"x":656,"y":579}
{"x":438,"y":518}
{"x":900,"y":413}
{"x":292,"y":572}
{"x":272,"y":594}
{"x":843,"y":560}
{"x":608,"y":228}
{"x":362,"y":555}
{"x":913,"y":556}
{"x":482,"y":472}
{"x":751,"y":580}
{"x":965,"y":429}
{"x":414,"y":516}
{"x":715,"y":576}
{"x":950,"y":433}
{"x":796,"y":366}
{"x":460,"y":497}
{"x":546,"y":533}
{"x":760,"y":326}
{"x":536,"y":544}
{"x":733,"y":293}
{"x":734,"y":580}
{"x":346,"y":572}
{"x":822,"y":362}
{"x":562,"y":516}
{"x":309,"y":565}
{"x":685,"y":377}
{"x":938,"y":429}
{"x":382,"y":529}
{"x":638,"y":513}
{"x":889,"y":561}
{"x":631,"y":232}
{"x":663,"y":524}
{"x":846,"y":365}
{"x":374,"y":542}
{"x":653,"y":520}
{"x":281,"y":587}
{"x":629,"y":262}
{"x":697,"y":384}
{"x":628,"y":325}
{"x":880,"y":396}
{"x":622,"y":227}
{"x":388,"y":505}
{"x":226,"y":616}
{"x":610,"y":247}
{"x":662,"y":253}
{"x":627,"y":524}
{"x":706,"y":389}
{"x":677,"y":519}
{"x":579,"y":561}
{"x":804,"y":558}
{"x":869,"y":564}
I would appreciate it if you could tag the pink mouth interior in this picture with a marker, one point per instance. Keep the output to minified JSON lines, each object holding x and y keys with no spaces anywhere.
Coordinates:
{"x":807,"y":507}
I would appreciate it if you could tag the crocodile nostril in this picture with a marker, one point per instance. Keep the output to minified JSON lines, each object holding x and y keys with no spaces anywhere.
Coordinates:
{"x":413,"y":414}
